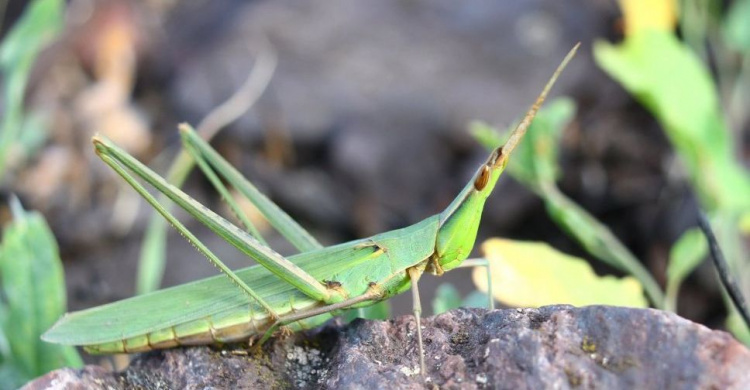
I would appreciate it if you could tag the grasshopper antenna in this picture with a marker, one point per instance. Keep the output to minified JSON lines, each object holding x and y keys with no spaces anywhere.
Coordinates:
{"x":518,"y":133}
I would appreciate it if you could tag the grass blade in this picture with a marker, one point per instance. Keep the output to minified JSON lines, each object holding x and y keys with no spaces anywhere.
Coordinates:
{"x":37,"y":27}
{"x":34,"y":286}
{"x":686,"y":254}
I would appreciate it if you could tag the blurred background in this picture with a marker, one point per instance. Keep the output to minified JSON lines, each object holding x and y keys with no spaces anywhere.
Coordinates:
{"x":361,"y":123}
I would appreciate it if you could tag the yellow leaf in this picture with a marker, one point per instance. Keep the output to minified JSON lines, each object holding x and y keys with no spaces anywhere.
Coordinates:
{"x":649,"y":15}
{"x":532,"y":274}
{"x":745,"y":223}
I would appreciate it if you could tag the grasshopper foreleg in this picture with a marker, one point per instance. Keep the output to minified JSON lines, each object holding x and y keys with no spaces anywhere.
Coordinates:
{"x":482,"y":263}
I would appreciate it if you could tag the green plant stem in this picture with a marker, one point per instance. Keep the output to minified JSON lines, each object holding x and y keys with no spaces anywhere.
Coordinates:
{"x":670,"y":297}
{"x":598,"y":239}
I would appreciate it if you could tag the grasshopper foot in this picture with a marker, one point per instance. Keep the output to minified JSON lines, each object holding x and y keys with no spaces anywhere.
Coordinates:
{"x":285,"y":331}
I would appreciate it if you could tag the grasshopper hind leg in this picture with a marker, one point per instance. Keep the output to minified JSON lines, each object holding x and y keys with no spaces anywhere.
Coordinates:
{"x":289,"y":318}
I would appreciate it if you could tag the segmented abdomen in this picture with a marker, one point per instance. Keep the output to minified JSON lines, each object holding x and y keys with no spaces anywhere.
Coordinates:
{"x":233,"y":328}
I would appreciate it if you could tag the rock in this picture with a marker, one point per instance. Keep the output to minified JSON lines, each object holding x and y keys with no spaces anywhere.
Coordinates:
{"x":551,"y":347}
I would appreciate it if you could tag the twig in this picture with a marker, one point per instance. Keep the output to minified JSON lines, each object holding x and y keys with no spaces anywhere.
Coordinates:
{"x":244,"y":98}
{"x":151,"y":266}
{"x":723,"y":268}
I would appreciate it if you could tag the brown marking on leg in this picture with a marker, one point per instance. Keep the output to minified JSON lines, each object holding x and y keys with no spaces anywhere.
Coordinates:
{"x":332,"y":284}
{"x":336,"y":287}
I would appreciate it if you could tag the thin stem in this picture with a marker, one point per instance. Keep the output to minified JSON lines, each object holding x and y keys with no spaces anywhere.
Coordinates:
{"x":598,"y":239}
{"x":722,"y":268}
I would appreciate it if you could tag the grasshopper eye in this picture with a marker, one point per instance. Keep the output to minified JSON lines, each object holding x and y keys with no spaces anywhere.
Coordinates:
{"x":482,"y":179}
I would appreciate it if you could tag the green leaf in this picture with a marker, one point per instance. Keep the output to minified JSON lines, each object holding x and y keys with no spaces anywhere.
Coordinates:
{"x":744,"y":223}
{"x":672,"y":82}
{"x":686,"y":254}
{"x":486,"y":135}
{"x":476,"y":299}
{"x":34,"y":286}
{"x":535,"y":159}
{"x":11,"y":377}
{"x":736,"y":28}
{"x":446,"y":298}
{"x":534,"y":274}
{"x":38,"y":26}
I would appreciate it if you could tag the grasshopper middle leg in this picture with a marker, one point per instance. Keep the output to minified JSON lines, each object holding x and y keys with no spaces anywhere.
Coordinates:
{"x":482,"y":263}
{"x":414,"y":274}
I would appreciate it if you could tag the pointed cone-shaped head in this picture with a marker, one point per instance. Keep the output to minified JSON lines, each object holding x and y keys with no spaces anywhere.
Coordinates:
{"x":460,"y":220}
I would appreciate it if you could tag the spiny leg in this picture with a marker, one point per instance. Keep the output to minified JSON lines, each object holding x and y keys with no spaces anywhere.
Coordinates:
{"x":186,"y":233}
{"x":280,"y":220}
{"x":482,"y":263}
{"x":414,"y":275}
{"x":267,"y":257}
{"x":222,"y":189}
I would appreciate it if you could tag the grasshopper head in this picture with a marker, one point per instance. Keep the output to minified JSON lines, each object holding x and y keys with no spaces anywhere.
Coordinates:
{"x":460,"y":220}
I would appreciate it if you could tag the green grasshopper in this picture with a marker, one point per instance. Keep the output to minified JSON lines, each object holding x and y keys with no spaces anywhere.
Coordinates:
{"x":287,"y":294}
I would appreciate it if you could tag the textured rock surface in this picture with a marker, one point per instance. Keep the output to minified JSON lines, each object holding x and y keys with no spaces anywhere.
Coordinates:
{"x":551,"y":347}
